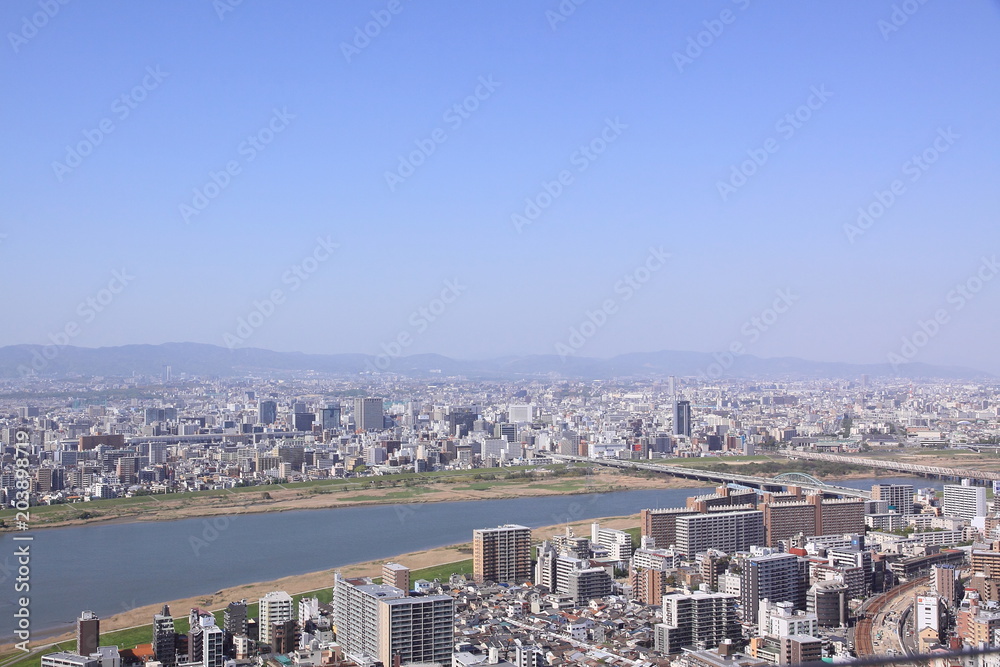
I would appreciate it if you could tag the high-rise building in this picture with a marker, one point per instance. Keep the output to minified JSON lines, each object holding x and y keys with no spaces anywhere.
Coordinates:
{"x":661,"y":524}
{"x":267,"y":412}
{"x":275,"y":607}
{"x":696,"y":620}
{"x":329,"y":417}
{"x":368,"y":414}
{"x":964,"y":501}
{"x":725,"y":531}
{"x":775,"y":577}
{"x":88,"y":633}
{"x":682,"y":418}
{"x":899,"y":496}
{"x":380,"y":622}
{"x":234,"y":618}
{"x":164,"y":638}
{"x":944,"y":582}
{"x":502,"y":554}
{"x":394,"y":574}
{"x":519,"y":414}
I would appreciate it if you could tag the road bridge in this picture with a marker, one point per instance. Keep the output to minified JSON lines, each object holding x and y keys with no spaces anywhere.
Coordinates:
{"x":898,"y":466}
{"x":763,"y":484}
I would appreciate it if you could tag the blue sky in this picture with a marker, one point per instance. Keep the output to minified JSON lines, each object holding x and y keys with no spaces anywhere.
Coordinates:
{"x":675,"y":120}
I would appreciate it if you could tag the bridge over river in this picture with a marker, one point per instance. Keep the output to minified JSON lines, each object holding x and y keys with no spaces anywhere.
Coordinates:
{"x":774,"y":484}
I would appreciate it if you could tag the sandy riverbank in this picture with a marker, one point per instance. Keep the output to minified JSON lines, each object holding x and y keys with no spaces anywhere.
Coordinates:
{"x":323,"y":579}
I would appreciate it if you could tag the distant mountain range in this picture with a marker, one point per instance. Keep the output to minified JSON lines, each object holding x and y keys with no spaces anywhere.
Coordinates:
{"x":197,"y":359}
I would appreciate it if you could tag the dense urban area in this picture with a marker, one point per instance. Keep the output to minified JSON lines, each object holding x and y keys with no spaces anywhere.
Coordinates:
{"x":781,"y":565}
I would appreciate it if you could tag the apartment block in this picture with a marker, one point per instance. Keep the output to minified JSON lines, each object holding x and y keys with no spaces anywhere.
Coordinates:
{"x":502,"y":554}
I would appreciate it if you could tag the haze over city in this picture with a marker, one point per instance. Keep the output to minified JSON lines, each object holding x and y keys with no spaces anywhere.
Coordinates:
{"x":653,"y":175}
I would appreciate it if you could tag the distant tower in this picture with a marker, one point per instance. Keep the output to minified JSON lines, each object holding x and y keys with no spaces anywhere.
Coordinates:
{"x":167,"y":373}
{"x":682,"y":418}
{"x":368,"y":414}
{"x":88,"y":633}
{"x":267,"y":412}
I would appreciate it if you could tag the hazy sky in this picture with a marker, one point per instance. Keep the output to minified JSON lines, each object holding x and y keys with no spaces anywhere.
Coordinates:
{"x":525,"y":162}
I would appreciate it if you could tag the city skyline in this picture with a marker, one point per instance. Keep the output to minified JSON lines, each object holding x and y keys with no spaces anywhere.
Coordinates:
{"x":481,"y":181}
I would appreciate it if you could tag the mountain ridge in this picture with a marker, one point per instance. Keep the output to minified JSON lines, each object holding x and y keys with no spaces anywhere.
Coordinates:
{"x":203,"y":359}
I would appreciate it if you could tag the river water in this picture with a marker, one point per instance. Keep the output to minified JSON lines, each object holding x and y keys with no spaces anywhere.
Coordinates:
{"x":115,"y":567}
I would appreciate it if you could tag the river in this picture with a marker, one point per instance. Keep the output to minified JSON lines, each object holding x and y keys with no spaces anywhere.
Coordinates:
{"x":111,"y":568}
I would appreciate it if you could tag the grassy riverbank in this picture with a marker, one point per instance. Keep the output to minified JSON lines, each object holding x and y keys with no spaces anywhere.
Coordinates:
{"x":133,"y":627}
{"x":451,"y":485}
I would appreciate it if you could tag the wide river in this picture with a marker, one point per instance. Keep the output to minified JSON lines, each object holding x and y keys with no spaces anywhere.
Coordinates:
{"x":115,"y":567}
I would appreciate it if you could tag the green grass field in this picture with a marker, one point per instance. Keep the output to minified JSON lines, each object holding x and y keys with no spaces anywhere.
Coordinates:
{"x":443,"y":572}
{"x":54,"y":513}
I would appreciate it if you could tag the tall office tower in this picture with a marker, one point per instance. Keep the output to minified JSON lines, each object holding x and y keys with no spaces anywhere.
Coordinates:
{"x":167,"y":373}
{"x":899,"y":496}
{"x":502,"y":554}
{"x":661,"y":524}
{"x":368,"y":414}
{"x":275,"y":607}
{"x":88,"y":633}
{"x":329,"y":417}
{"x":164,"y":638}
{"x":298,"y":407}
{"x":507,"y":431}
{"x":617,"y":542}
{"x":964,"y":501}
{"x":726,"y":531}
{"x":682,"y":418}
{"x":696,"y":620}
{"x":267,"y":412}
{"x":777,"y":578}
{"x":380,"y":622}
{"x":394,"y":574}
